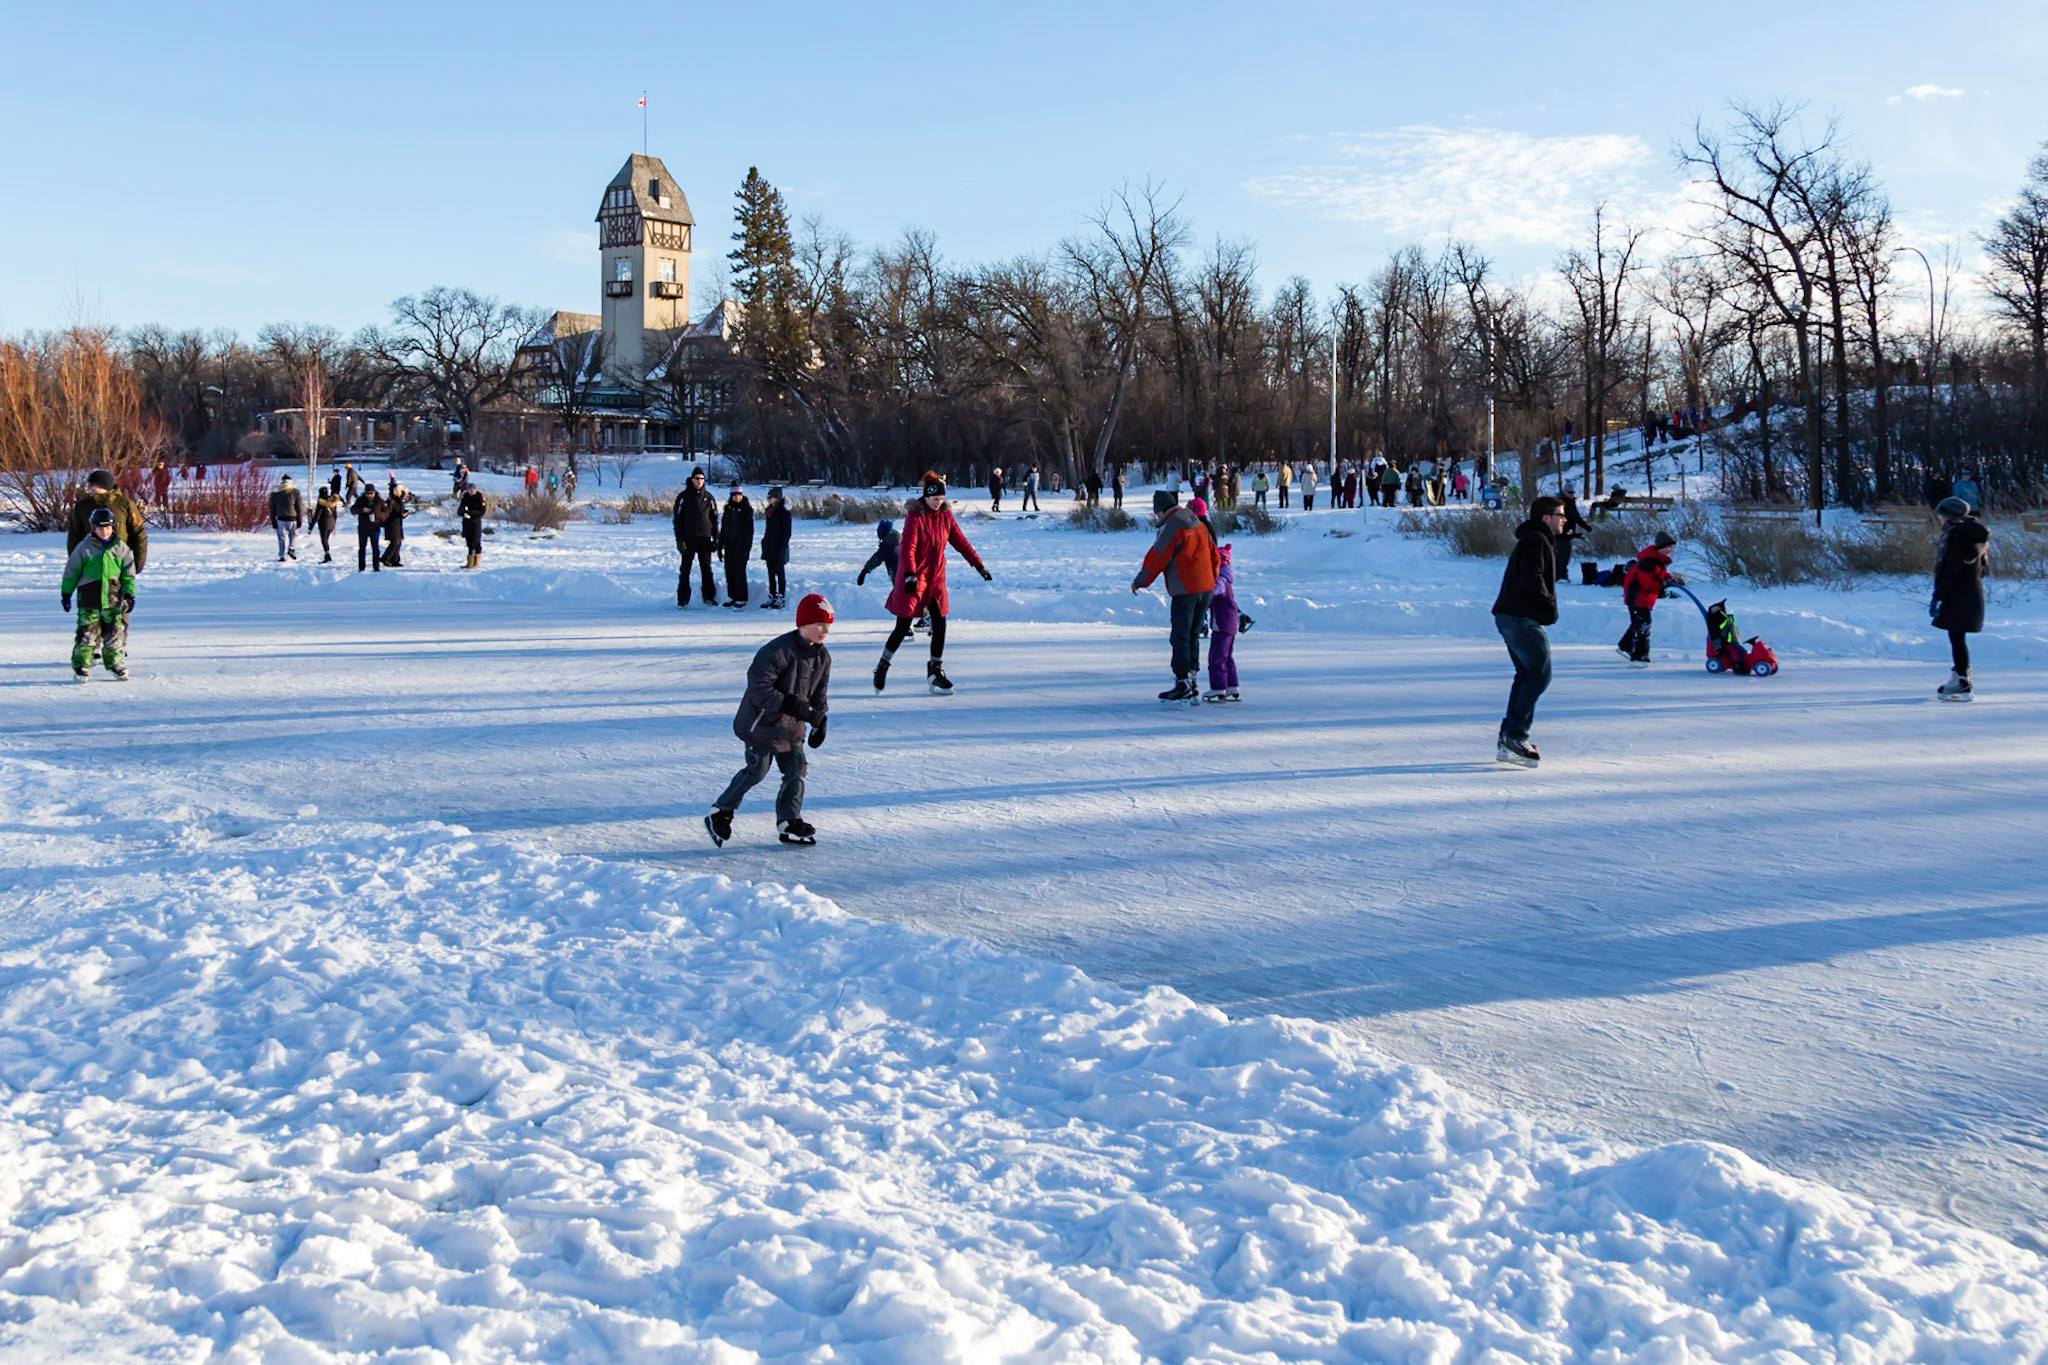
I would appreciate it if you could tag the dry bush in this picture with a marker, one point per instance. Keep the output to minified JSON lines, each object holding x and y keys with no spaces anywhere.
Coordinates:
{"x":1245,"y":521}
{"x":833,"y":507}
{"x":232,"y":497}
{"x":1887,"y":547}
{"x":638,"y":503}
{"x":69,"y":404}
{"x":617,"y":515}
{"x":1086,"y":518}
{"x":1477,"y":533}
{"x":2017,"y":553}
{"x":539,"y":511}
{"x":1770,"y":554}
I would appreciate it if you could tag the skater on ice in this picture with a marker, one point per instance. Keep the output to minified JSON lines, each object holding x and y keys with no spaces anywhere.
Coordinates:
{"x":101,"y":574}
{"x":695,"y":517}
{"x":777,"y":523}
{"x":1527,"y":602}
{"x":369,"y":509}
{"x":100,"y":492}
{"x":397,"y":506}
{"x":736,"y":545}
{"x":785,"y":699}
{"x":471,"y":509}
{"x":1225,"y":621}
{"x":287,"y":515}
{"x":1960,"y":561}
{"x":884,"y":557}
{"x":1185,"y":552}
{"x":325,"y":516}
{"x":1648,"y":579}
{"x":929,"y":526}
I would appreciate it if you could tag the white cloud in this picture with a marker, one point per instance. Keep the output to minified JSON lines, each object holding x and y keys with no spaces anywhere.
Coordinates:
{"x":1488,"y":184}
{"x":1926,"y":92}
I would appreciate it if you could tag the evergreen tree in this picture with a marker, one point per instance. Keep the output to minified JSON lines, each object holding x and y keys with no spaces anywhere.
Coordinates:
{"x":772,"y":334}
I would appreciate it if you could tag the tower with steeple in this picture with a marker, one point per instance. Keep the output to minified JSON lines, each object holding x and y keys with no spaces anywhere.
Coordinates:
{"x":643,"y":244}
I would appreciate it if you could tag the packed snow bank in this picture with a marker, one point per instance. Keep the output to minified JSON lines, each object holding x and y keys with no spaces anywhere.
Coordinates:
{"x":371,"y":1089}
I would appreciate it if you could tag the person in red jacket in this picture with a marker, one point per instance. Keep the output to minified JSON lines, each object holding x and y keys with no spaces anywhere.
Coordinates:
{"x":929,"y":526}
{"x":1642,"y":586}
{"x":1184,"y":551}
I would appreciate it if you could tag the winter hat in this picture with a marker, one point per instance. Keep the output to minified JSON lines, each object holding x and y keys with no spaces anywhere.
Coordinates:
{"x":1164,"y":500}
{"x":814,"y":609}
{"x":99,"y":478}
{"x":1224,"y":554}
{"x":283,"y":479}
{"x":102,"y":516}
{"x":934,"y":486}
{"x":698,"y":472}
{"x":776,"y":491}
{"x":1665,"y":540}
{"x":737,"y":489}
{"x":883,"y":528}
{"x":1544,"y":506}
{"x":1199,"y":506}
{"x":1952,"y":507}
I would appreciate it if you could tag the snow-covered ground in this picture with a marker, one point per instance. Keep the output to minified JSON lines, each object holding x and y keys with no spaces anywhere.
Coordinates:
{"x":369,"y":985}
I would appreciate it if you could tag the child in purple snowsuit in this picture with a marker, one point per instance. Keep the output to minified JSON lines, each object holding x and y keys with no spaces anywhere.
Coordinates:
{"x":1223,"y":616}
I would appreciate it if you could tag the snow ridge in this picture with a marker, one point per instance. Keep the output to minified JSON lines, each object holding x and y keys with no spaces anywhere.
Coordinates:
{"x":298,"y":1089}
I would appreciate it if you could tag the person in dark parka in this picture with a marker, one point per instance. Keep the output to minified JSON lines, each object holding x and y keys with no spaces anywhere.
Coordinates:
{"x":1957,"y":607}
{"x":369,"y":509}
{"x":472,"y":508}
{"x":776,"y":526}
{"x":695,"y":515}
{"x":326,"y":513}
{"x":785,"y":697}
{"x":397,"y":506}
{"x":101,"y":490}
{"x":1575,"y":526}
{"x":1526,"y":604}
{"x":736,"y":545}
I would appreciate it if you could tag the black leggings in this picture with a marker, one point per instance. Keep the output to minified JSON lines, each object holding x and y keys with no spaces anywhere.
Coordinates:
{"x":1959,"y":651}
{"x":902,"y":633}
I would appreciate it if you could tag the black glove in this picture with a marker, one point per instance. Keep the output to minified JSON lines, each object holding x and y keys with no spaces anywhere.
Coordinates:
{"x":67,"y":601}
{"x":127,"y":603}
{"x":1934,"y":609}
{"x":1244,"y":623}
{"x":817,"y":739}
{"x":792,"y":707}
{"x":986,"y":576}
{"x":860,"y":578}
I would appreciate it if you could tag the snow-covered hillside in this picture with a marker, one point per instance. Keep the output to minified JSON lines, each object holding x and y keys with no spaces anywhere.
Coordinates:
{"x":370,"y":988}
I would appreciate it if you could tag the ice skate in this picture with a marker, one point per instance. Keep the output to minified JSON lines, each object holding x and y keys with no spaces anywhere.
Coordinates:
{"x":796,"y":832}
{"x":1639,"y":663}
{"x":935,"y":675}
{"x":120,"y":672}
{"x":80,"y":675}
{"x":1518,"y":752}
{"x":882,"y":673}
{"x":1181,"y":690}
{"x":1216,"y":697}
{"x":718,"y":825}
{"x":1957,"y":688}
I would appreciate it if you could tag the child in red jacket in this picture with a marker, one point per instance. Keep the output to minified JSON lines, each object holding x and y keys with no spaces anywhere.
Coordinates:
{"x":1645,"y":583}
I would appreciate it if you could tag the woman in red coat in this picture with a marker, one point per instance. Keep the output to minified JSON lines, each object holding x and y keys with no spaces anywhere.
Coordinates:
{"x":928,"y":528}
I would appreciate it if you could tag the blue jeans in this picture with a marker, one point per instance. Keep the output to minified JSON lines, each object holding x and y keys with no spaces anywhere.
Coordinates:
{"x":1529,"y":647}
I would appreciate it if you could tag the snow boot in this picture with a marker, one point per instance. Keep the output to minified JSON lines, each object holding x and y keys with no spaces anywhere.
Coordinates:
{"x":881,"y":673}
{"x":796,"y":832}
{"x":1957,"y":688}
{"x":1519,"y":752}
{"x":718,"y":825}
{"x":935,"y":675}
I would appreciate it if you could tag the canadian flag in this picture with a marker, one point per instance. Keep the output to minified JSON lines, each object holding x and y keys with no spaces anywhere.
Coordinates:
{"x":643,"y":101}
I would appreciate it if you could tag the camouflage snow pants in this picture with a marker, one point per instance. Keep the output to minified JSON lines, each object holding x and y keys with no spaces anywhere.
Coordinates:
{"x":102,"y":632}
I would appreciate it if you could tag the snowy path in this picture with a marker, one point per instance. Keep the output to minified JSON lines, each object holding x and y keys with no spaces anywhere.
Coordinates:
{"x":1824,"y":945}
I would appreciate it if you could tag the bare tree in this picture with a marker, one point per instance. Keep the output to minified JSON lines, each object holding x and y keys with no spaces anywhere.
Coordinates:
{"x":453,"y":347}
{"x":2017,"y":280}
{"x":313,"y":403}
{"x":1116,"y":267}
{"x":1598,"y":279}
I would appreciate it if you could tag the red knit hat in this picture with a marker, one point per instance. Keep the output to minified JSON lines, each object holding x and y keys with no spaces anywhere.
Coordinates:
{"x":814,"y":609}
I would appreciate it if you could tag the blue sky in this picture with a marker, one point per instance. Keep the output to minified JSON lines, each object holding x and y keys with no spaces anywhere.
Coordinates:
{"x":228,"y":165}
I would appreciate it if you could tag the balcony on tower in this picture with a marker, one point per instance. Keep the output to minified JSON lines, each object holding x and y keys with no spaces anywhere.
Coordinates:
{"x":618,"y":289}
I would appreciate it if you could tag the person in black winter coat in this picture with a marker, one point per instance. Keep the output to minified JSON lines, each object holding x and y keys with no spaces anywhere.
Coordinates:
{"x":1575,"y":526}
{"x":369,"y":509}
{"x":785,"y":697}
{"x":695,"y":515}
{"x":884,"y":556}
{"x":472,"y":508}
{"x":1957,"y":607}
{"x":397,"y":506}
{"x":1526,"y":604}
{"x":776,"y":527}
{"x":736,"y":544}
{"x":326,"y":513}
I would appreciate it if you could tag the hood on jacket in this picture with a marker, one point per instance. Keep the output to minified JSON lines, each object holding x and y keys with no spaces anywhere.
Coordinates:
{"x":916,"y":507}
{"x":1533,"y":524}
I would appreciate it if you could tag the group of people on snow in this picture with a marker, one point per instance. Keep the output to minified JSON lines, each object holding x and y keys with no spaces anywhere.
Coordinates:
{"x":703,"y":528}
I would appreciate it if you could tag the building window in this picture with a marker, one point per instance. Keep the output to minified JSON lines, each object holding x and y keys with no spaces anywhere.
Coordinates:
{"x":622,"y":268}
{"x":665,"y":270}
{"x":654,"y":189}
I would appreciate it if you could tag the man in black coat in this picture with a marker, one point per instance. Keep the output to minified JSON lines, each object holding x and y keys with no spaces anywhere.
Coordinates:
{"x":369,"y":509}
{"x":1526,"y":604}
{"x":695,"y":515}
{"x":1575,"y":526}
{"x":736,"y":545}
{"x":397,"y":505}
{"x":472,"y":508}
{"x":785,"y":696}
{"x":1958,"y":603}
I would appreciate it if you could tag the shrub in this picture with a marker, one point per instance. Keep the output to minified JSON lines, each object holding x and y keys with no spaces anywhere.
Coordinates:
{"x":1618,"y":535}
{"x":1478,"y":533}
{"x":638,"y":503}
{"x":1086,"y":518}
{"x":232,"y":497}
{"x":834,"y":507}
{"x":2016,"y":553}
{"x":1770,"y":553}
{"x":1246,"y":521}
{"x":539,"y":511}
{"x":618,"y":516}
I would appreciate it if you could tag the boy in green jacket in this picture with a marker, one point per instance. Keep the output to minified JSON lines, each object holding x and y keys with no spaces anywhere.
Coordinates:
{"x":101,"y":572}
